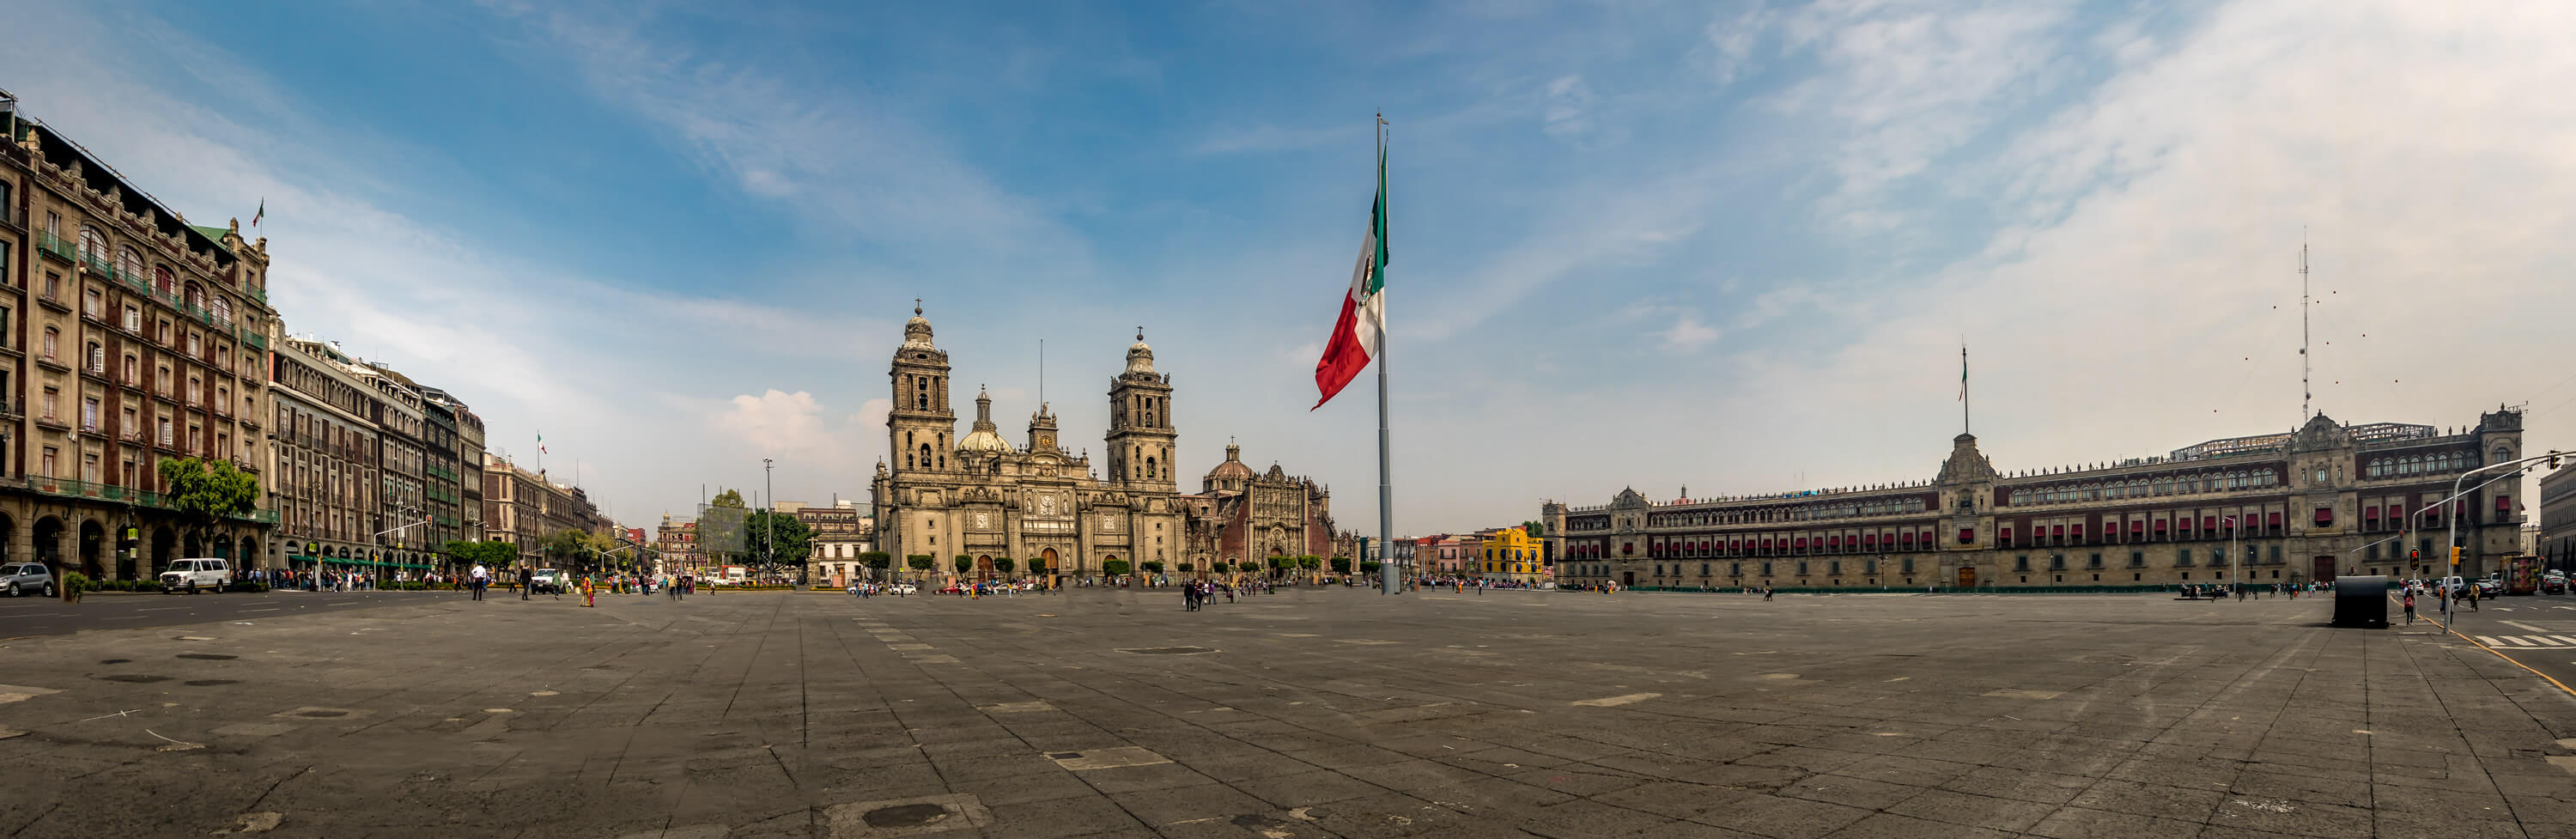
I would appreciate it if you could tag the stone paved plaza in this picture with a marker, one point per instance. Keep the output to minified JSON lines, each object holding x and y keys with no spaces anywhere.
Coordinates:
{"x":1308,"y":714}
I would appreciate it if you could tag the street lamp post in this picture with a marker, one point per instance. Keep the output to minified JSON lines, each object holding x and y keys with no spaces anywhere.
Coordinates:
{"x":2236,"y":561}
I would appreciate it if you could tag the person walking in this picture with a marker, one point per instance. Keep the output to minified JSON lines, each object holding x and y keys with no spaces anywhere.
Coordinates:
{"x":1766,"y":593}
{"x":481,"y":576}
{"x":526,"y":577}
{"x":589,"y":591}
{"x":2473,"y":595}
{"x":2410,"y":607}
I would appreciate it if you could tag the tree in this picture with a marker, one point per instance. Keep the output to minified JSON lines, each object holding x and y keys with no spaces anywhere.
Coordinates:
{"x":727,"y":498}
{"x":493,"y":554}
{"x":208,"y":491}
{"x":1535,"y":529}
{"x":1341,"y":565}
{"x":1187,"y":567}
{"x":1369,"y":567}
{"x":920,"y":562}
{"x":878,"y":560}
{"x":1002,"y":564}
{"x":1153,"y":566}
{"x":567,"y":547}
{"x":963,"y":563}
{"x":793,"y":542}
{"x":1037,"y":566}
{"x":1114,"y":567}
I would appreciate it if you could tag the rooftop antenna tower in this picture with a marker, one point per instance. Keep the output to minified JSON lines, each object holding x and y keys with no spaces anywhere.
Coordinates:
{"x":2305,"y":393}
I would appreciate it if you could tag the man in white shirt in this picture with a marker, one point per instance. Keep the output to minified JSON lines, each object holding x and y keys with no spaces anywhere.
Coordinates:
{"x":482,"y":577}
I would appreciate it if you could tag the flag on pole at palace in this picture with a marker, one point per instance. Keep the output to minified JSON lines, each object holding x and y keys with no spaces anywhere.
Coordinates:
{"x":1363,"y":321}
{"x":1963,"y":374}
{"x":263,"y":213}
{"x":541,"y":442}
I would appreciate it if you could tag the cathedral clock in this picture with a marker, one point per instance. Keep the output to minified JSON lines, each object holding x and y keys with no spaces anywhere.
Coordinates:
{"x":1046,"y":441}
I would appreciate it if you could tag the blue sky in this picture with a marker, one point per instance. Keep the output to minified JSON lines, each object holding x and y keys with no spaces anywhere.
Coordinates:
{"x":1729,"y":245}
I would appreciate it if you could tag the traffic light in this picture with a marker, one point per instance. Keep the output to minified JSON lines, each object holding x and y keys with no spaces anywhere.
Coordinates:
{"x":2455,"y":557}
{"x":2414,"y":560}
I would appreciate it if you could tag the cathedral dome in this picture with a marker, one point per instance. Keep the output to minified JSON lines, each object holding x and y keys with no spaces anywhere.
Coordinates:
{"x":1232,"y":469}
{"x":982,"y":440}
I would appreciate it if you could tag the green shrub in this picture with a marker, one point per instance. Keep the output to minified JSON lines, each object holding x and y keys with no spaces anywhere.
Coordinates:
{"x":76,"y":582}
{"x":1114,"y":567}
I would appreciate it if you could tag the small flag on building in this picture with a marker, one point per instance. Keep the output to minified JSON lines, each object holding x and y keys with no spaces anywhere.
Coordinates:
{"x":263,"y":213}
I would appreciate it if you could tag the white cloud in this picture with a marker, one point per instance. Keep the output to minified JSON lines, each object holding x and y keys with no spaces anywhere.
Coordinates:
{"x":1568,"y":98}
{"x":1688,"y":333}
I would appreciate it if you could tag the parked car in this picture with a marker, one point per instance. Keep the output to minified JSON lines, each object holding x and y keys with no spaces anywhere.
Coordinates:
{"x":191,"y":574}
{"x":23,"y":577}
{"x":2490,"y":588}
{"x":902,"y":589}
{"x":547,"y":581}
{"x":2553,"y":584}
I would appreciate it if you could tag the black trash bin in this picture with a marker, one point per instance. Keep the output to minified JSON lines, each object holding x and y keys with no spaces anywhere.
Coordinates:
{"x":2361,"y":601}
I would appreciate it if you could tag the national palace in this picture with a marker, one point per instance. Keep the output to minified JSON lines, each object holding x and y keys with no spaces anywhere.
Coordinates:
{"x":2302,"y":506}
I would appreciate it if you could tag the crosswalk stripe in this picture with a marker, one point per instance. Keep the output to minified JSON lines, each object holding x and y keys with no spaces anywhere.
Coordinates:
{"x":2489,"y":640}
{"x":2564,"y":639}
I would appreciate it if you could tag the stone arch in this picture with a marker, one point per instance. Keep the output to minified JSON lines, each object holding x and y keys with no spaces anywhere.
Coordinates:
{"x":223,"y":549}
{"x":1053,"y":564}
{"x":8,"y":537}
{"x":191,"y":545}
{"x":164,"y":547}
{"x":983,"y":566}
{"x":47,"y":540}
{"x":249,"y":552}
{"x":93,"y":550}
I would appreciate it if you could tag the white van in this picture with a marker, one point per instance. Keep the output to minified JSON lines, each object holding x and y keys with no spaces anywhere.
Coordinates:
{"x":210,"y":574}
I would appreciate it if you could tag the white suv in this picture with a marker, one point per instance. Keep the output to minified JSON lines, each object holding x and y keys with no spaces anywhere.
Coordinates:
{"x":202,"y":573}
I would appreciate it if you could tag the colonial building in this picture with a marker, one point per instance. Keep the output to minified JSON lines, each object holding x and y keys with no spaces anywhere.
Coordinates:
{"x":2307,"y":505}
{"x":128,"y":336}
{"x":523,"y":508}
{"x":677,"y":544}
{"x":1512,"y":554}
{"x":977,"y":496}
{"x":2557,"y":537}
{"x":323,"y":480}
{"x":1240,"y":516}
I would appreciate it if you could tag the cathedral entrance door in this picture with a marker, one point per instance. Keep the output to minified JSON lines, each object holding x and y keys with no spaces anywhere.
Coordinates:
{"x":1047,"y":557}
{"x":1967,"y":576}
{"x":983,"y":567}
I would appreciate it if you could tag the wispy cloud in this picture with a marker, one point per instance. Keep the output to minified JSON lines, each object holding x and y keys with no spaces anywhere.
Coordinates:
{"x":1266,"y":139}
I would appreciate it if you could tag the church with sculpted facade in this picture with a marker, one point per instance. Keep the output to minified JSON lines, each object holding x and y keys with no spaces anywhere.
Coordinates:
{"x":1036,"y":505}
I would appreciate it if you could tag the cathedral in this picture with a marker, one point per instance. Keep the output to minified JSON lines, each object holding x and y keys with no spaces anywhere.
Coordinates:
{"x":1036,"y":506}
{"x":1041,"y":510}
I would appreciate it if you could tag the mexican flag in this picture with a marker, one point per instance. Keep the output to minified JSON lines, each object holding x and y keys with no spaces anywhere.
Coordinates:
{"x":1356,"y":333}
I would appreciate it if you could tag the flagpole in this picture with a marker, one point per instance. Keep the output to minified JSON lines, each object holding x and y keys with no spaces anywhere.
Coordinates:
{"x":1963,"y":388}
{"x":1386,"y":571}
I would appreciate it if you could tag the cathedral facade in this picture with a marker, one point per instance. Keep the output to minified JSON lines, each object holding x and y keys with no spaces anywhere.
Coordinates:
{"x":1032,"y":509}
{"x":1241,"y":516}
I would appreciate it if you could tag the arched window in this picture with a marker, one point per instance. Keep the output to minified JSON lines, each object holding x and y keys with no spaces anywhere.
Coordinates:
{"x":161,"y":280}
{"x":196,"y":296}
{"x":129,"y":264}
{"x":1149,"y":468}
{"x":925,"y":455}
{"x":223,"y":310}
{"x":93,"y":244}
{"x":53,"y":339}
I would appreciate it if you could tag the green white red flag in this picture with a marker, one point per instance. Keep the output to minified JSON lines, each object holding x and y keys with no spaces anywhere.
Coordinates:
{"x":1362,"y":326}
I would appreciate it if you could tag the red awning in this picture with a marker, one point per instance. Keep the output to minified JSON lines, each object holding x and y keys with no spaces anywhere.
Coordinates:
{"x":2139,"y":526}
{"x":2160,"y":525}
{"x":1906,"y":537}
{"x":2370,"y":512}
{"x":2059,"y":530}
{"x":1833,"y":541}
{"x":2209,"y":522}
{"x":2504,"y":503}
{"x":2325,"y":515}
{"x":1967,"y":535}
{"x":1802,"y":541}
{"x":2003,"y":533}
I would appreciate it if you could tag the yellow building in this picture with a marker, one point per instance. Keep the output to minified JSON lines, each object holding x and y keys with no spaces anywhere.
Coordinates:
{"x":1510,"y":554}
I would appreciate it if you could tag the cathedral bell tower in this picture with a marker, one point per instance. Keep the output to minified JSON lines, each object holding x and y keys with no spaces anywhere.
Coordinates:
{"x":921,"y":426}
{"x":1140,"y":422}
